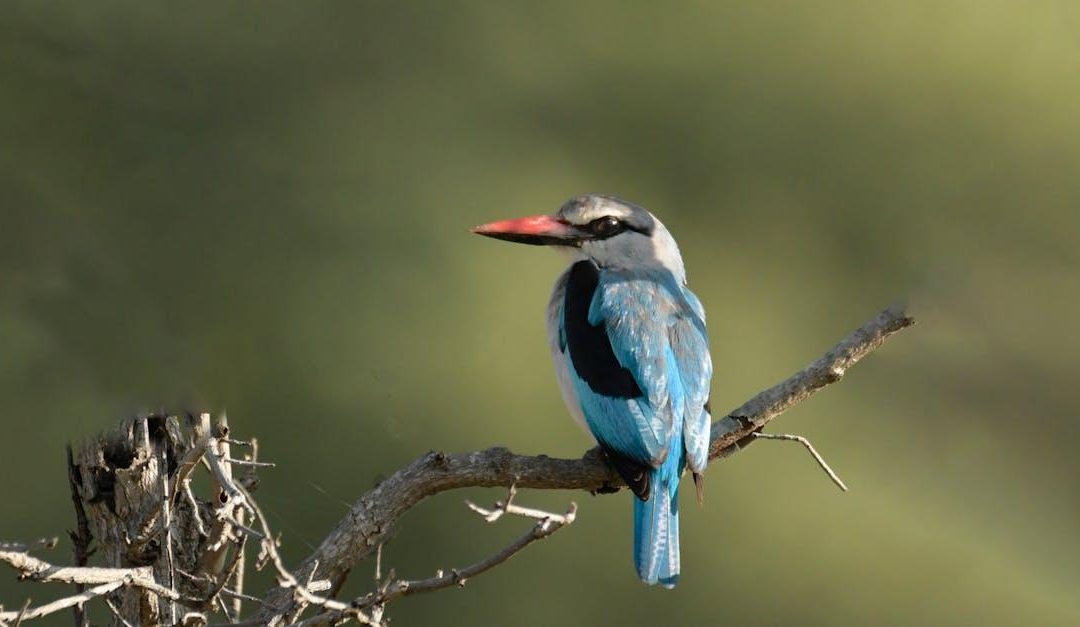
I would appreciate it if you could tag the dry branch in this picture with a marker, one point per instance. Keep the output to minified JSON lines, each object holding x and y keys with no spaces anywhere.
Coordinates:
{"x":132,"y":493}
{"x":371,"y":518}
{"x":547,"y":523}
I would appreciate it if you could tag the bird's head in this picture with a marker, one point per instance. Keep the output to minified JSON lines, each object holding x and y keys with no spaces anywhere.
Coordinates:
{"x":611,"y":232}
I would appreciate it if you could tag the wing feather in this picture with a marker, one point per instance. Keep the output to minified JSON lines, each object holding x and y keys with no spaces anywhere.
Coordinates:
{"x":655,"y":332}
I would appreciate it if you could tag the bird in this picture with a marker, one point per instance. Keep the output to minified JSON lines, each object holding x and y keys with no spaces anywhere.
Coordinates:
{"x":631,"y":357}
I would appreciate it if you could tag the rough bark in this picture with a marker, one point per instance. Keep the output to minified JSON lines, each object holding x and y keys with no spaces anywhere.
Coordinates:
{"x":130,"y":484}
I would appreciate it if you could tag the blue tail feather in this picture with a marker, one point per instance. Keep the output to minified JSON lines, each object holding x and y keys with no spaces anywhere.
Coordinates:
{"x":656,"y":525}
{"x":656,"y":536}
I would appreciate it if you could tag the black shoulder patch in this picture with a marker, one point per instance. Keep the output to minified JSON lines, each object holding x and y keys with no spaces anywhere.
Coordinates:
{"x":589,"y":346}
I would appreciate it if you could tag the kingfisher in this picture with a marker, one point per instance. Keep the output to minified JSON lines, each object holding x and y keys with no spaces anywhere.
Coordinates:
{"x":631,"y":356}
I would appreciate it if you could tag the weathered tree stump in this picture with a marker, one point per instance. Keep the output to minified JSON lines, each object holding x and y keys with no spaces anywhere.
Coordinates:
{"x":132,"y":494}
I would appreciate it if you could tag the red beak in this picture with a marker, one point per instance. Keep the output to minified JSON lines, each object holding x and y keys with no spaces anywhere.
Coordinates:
{"x":536,"y":230}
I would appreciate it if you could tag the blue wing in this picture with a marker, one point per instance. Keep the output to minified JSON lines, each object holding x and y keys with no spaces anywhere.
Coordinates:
{"x":656,"y":334}
{"x":690,"y":347}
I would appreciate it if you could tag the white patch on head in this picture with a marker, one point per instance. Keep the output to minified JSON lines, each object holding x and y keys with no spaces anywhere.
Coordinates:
{"x":629,"y":250}
{"x":584,"y":209}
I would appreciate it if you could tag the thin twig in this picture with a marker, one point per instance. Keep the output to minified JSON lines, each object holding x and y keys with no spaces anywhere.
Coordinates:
{"x":216,"y":459}
{"x":246,"y":529}
{"x":229,"y":504}
{"x":229,"y":616}
{"x":237,"y":560}
{"x":30,"y":567}
{"x":196,"y":513}
{"x":22,"y":613}
{"x":235,"y":571}
{"x":200,"y":441}
{"x":115,"y":611}
{"x":286,"y":579}
{"x":501,"y":507}
{"x":809,"y":447}
{"x":166,"y":512}
{"x":30,"y":613}
{"x":548,"y":524}
{"x":229,"y":592}
{"x":245,"y":462}
{"x":508,"y":507}
{"x":241,"y":548}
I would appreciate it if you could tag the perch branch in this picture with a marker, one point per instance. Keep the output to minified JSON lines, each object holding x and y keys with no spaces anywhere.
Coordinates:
{"x":372,"y":517}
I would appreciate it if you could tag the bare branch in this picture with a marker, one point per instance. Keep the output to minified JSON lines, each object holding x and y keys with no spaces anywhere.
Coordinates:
{"x":22,"y":613}
{"x":30,"y":613}
{"x":542,"y":529}
{"x":239,"y":557}
{"x":810,"y":448}
{"x":509,"y":507}
{"x":547,"y":524}
{"x":30,"y":567}
{"x":828,"y":369}
{"x":302,"y":594}
{"x":194,"y":504}
{"x":372,"y":517}
{"x":246,"y":462}
{"x":228,"y":512}
{"x":166,"y":514}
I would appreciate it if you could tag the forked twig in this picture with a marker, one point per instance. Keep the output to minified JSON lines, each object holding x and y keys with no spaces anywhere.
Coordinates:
{"x":547,"y":524}
{"x":809,"y":447}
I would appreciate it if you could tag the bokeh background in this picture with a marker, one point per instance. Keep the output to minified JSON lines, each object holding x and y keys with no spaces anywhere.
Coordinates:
{"x":263,"y":207}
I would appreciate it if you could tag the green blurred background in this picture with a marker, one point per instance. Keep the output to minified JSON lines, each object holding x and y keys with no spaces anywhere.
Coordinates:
{"x":262,"y":207}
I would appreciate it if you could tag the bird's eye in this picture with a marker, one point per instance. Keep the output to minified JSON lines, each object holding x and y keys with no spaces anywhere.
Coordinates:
{"x":605,"y":226}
